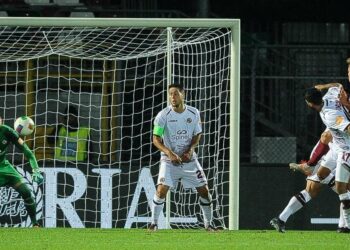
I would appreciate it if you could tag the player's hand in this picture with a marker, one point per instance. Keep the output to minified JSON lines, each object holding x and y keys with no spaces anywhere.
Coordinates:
{"x":187,"y":155}
{"x":174,"y":158}
{"x":37,"y":177}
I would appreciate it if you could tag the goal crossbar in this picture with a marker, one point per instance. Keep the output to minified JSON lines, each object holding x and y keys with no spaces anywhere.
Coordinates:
{"x":120,"y":22}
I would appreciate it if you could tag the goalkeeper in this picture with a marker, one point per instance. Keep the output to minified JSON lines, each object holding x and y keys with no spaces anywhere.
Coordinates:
{"x":8,"y":174}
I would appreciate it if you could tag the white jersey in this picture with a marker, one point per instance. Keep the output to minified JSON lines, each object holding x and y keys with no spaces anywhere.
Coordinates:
{"x":332,"y":93}
{"x":336,"y":120}
{"x":179,"y":129}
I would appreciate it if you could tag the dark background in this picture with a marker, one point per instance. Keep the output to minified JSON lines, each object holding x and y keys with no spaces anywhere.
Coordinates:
{"x":256,"y":10}
{"x":287,"y":45}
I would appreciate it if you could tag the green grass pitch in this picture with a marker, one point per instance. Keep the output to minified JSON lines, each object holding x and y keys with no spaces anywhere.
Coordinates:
{"x":67,"y":238}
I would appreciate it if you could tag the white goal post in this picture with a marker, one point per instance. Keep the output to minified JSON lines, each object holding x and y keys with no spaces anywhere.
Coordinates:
{"x":106,"y":67}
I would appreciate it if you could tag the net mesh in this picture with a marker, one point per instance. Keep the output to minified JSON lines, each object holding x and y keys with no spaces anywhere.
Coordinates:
{"x":117,"y":80}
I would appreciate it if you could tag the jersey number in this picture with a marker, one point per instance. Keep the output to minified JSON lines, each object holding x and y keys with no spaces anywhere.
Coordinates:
{"x":346,"y":156}
{"x":199,"y":174}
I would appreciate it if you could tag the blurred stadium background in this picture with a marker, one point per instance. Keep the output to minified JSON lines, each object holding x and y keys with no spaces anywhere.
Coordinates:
{"x":287,"y":45}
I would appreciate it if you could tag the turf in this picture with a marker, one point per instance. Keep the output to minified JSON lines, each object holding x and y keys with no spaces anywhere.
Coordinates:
{"x":66,"y":238}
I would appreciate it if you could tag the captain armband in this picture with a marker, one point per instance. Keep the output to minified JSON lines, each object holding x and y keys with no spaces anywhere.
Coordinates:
{"x":157,"y":130}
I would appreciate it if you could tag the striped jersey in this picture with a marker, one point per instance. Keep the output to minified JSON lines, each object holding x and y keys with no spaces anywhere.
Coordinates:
{"x":177,"y":129}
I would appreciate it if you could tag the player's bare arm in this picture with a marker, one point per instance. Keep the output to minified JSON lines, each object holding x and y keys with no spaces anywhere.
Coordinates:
{"x":187,"y":155}
{"x":327,"y":85}
{"x":344,"y":98}
{"x":158,"y":142}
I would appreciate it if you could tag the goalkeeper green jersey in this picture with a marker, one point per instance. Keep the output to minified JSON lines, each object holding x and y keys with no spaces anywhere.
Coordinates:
{"x":7,"y":136}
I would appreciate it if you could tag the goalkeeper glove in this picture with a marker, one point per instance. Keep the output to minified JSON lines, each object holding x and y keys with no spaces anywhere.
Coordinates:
{"x":37,"y":176}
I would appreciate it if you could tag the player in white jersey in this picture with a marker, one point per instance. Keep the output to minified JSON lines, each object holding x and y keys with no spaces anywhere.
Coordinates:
{"x":321,"y":147}
{"x":177,"y":131}
{"x":336,"y":120}
{"x":323,"y":173}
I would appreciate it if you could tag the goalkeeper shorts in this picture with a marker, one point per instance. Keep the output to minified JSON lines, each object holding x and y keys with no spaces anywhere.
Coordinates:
{"x":190,"y":174}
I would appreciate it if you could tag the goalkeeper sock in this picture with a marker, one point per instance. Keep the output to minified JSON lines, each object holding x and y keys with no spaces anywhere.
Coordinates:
{"x":29,"y":201}
{"x":157,"y":207}
{"x":207,"y":210}
{"x":295,"y":204}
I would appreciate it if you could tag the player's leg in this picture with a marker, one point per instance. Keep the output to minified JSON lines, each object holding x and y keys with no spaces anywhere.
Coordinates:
{"x":205,"y":202}
{"x":330,"y":182}
{"x":193,"y":176}
{"x":165,"y":181}
{"x":341,"y":183}
{"x":320,"y":149}
{"x":344,"y":198}
{"x":28,"y":199}
{"x":15,"y":180}
{"x":343,"y":227}
{"x":297,"y":202}
{"x":158,"y":205}
{"x":312,"y":189}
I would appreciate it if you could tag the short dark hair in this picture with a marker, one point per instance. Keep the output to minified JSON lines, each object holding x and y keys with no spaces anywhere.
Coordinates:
{"x":176,"y":85}
{"x":313,"y":96}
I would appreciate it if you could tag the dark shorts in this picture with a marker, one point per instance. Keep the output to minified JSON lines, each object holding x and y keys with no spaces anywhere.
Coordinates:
{"x":9,"y":175}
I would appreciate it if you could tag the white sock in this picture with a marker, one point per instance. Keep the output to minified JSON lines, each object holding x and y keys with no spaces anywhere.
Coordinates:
{"x":157,"y":207}
{"x":341,"y":222}
{"x":346,"y":212}
{"x":295,"y":204}
{"x":207,"y":210}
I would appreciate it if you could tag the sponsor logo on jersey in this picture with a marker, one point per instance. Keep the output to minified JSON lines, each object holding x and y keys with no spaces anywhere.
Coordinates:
{"x":189,"y":120}
{"x":181,"y":132}
{"x":180,"y":135}
{"x":339,"y":120}
{"x":172,"y":120}
{"x":4,"y":142}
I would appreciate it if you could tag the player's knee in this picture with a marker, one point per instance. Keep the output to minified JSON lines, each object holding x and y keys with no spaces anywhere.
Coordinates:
{"x":205,"y":201}
{"x":323,"y":173}
{"x":203,"y":191}
{"x":326,"y":137}
{"x":25,"y":193}
{"x":162,"y":191}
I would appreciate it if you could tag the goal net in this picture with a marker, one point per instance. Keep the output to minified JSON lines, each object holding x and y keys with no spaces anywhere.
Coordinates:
{"x":113,"y":81}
